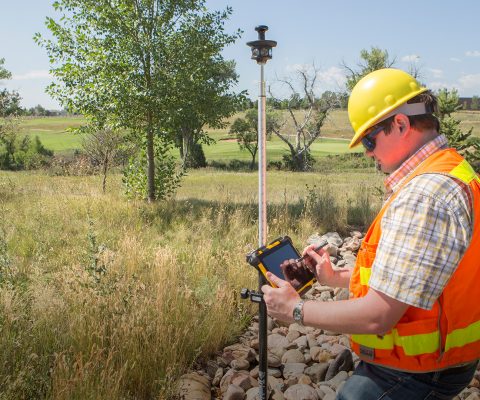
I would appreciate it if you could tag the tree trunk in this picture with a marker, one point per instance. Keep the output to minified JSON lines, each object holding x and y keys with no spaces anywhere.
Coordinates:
{"x":105,"y":169}
{"x":150,"y":159}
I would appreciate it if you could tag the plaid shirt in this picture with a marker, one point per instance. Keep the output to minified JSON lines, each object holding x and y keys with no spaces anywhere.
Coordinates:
{"x":425,"y":232}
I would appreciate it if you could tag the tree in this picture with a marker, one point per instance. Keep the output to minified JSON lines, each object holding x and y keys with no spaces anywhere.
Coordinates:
{"x":4,"y":73}
{"x":475,"y":103}
{"x":246,"y":131}
{"x":125,"y":64}
{"x":371,"y":60}
{"x":464,"y":142}
{"x":308,"y":123}
{"x":102,"y":146}
{"x":203,"y":97}
{"x":9,"y":101}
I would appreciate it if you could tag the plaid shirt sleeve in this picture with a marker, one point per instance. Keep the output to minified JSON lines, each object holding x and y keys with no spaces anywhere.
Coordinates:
{"x":425,"y":232}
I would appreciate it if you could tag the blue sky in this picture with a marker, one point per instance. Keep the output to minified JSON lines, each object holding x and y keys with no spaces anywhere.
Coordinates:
{"x":441,"y":36}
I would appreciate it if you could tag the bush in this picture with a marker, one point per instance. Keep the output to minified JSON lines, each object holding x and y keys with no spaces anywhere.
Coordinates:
{"x":23,"y":154}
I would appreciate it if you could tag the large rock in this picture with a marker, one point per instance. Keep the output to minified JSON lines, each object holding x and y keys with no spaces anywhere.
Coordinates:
{"x":234,"y":392}
{"x":342,"y":362}
{"x":293,"y":369}
{"x":277,"y":340}
{"x":301,"y":392}
{"x":194,"y":386}
{"x":317,"y":371}
{"x":293,"y":356}
{"x":239,"y":351}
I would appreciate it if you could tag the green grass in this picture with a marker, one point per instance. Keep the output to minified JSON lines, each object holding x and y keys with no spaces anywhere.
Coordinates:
{"x":54,"y":134}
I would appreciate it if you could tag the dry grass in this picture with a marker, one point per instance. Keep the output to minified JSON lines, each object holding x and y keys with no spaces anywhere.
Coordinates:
{"x":101,"y":298}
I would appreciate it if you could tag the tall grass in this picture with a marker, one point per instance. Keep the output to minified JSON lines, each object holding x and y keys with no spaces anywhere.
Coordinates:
{"x":101,"y":298}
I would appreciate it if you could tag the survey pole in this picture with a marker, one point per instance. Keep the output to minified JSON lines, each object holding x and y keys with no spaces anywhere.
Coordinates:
{"x":262,"y":52}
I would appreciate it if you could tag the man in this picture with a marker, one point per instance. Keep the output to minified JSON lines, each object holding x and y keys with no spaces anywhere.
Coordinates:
{"x":414,"y":311}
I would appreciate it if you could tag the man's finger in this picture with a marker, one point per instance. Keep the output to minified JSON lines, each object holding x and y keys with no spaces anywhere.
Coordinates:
{"x":276,"y":280}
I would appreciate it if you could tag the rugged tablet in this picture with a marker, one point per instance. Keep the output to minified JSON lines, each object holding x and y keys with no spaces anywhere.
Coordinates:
{"x":271,"y":256}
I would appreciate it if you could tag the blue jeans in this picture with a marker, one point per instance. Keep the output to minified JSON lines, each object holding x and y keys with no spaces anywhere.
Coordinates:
{"x":372,"y":382}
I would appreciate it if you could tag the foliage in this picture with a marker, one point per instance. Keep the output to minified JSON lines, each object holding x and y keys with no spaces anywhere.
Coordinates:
{"x":9,"y":101}
{"x":102,"y":146}
{"x":246,"y":130}
{"x":4,"y":73}
{"x":467,"y":145}
{"x":137,"y":65}
{"x":196,"y":157}
{"x":167,"y":176}
{"x":370,"y":61}
{"x":475,"y":103}
{"x":308,"y":128}
{"x":19,"y":154}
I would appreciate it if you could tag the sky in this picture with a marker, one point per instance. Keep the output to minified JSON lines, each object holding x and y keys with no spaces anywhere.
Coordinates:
{"x":441,"y":37}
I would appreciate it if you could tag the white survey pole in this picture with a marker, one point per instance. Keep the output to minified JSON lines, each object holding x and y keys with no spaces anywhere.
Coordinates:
{"x":262,"y":163}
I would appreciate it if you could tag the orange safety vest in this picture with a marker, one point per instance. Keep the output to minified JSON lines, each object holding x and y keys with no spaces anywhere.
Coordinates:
{"x":449,"y":333}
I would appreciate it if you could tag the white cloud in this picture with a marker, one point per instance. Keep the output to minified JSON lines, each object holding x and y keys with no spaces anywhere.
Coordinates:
{"x":436,"y":73}
{"x":332,"y":77}
{"x":36,"y":74}
{"x":473,"y":53}
{"x":455,"y":59}
{"x":471,"y":81}
{"x":410,"y":58}
{"x":440,"y":85}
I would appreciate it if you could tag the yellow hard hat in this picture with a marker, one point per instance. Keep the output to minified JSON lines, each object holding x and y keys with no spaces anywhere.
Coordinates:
{"x":376,"y":95}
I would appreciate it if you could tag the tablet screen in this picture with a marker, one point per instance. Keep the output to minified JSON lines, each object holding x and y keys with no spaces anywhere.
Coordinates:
{"x":274,"y":257}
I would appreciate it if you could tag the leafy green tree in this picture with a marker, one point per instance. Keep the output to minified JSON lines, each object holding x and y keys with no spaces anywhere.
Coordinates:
{"x":475,"y":103}
{"x":4,"y":73}
{"x":370,"y":61}
{"x":136,"y":64}
{"x":246,"y":131}
{"x":464,"y":142}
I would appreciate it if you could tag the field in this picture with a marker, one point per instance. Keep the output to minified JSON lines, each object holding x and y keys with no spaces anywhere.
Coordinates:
{"x":54,"y":134}
{"x":105,"y":298}
{"x":102,"y":298}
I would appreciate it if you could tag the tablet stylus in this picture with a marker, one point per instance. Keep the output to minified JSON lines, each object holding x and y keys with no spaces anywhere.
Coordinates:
{"x":323,"y":243}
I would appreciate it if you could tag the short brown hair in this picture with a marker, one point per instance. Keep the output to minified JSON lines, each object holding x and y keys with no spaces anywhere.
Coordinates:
{"x":421,"y":122}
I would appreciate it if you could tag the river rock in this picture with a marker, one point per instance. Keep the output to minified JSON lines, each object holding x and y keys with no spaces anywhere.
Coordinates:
{"x":240,"y":364}
{"x":239,"y":351}
{"x":277,"y":340}
{"x":194,"y":386}
{"x":293,"y":369}
{"x":317,"y":371}
{"x":301,"y":392}
{"x":234,"y":392}
{"x":293,"y":356}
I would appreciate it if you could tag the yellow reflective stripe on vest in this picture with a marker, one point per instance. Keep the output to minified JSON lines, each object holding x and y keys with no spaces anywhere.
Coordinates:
{"x":422,"y":343}
{"x":412,"y":345}
{"x":464,"y":172}
{"x":365,"y":275}
{"x":463,"y":336}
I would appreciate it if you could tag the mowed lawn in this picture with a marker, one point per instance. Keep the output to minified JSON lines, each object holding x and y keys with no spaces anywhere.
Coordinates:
{"x":55,"y":133}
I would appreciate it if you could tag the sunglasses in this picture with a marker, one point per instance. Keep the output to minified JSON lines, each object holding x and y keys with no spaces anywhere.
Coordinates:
{"x":368,"y":140}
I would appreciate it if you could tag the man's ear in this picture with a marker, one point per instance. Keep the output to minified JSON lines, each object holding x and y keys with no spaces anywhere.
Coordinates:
{"x":402,"y":122}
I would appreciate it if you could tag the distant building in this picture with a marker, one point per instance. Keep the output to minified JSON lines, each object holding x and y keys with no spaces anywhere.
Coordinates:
{"x":466,"y":103}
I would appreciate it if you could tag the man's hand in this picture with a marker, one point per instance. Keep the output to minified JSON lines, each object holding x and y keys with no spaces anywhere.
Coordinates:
{"x":296,"y":273}
{"x":281,"y":300}
{"x":319,"y":263}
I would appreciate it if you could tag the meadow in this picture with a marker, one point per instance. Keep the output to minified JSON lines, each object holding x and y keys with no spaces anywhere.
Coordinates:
{"x":105,"y":298}
{"x":55,"y":133}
